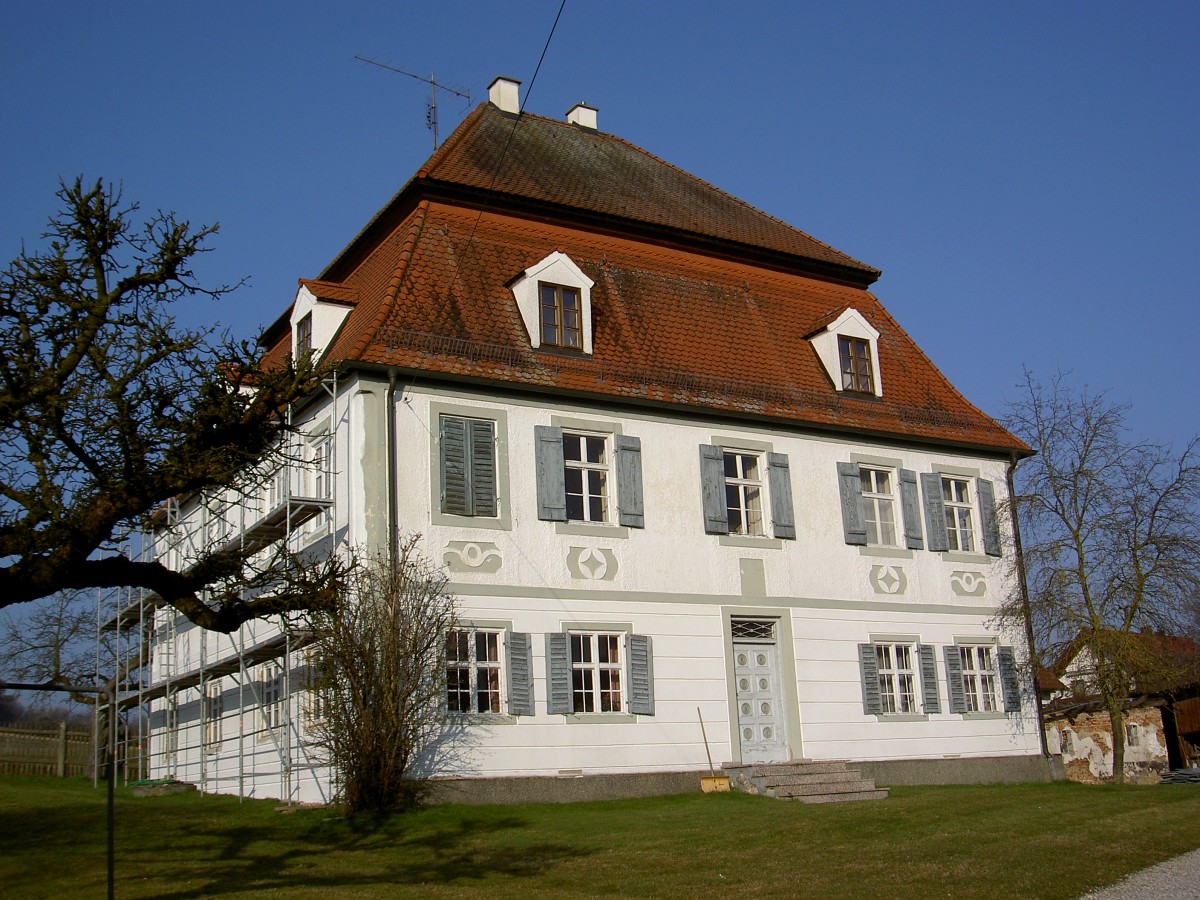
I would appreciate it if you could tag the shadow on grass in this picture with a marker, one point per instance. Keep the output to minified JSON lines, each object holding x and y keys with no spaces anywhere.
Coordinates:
{"x":359,"y":855}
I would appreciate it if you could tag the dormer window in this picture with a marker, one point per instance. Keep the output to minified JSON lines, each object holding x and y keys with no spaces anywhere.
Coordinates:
{"x":561,"y":310}
{"x":304,"y":336}
{"x":855,"y":357}
{"x":554,"y":298}
{"x":848,"y":348}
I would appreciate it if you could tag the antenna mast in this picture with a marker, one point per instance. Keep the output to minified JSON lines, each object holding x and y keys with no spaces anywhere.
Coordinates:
{"x":431,"y":119}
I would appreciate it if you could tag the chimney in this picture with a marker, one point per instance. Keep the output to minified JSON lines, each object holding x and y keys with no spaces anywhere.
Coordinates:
{"x":583,"y":115}
{"x":504,"y":95}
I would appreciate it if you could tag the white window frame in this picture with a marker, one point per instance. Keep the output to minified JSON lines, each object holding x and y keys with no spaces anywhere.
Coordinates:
{"x":314,"y":698}
{"x":981,"y":678}
{"x":484,"y":677}
{"x":271,"y":703}
{"x":961,"y":514}
{"x":213,"y":704}
{"x":875,"y":501}
{"x":589,"y":472}
{"x":899,"y":684}
{"x":171,"y":733}
{"x":597,"y":685}
{"x":744,"y":493}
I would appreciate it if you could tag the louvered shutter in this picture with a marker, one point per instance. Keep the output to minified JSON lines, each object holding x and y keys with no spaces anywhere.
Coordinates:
{"x":854,"y":524}
{"x":454,"y":466}
{"x":558,"y":675}
{"x":629,"y":481}
{"x":910,"y":506}
{"x":639,"y":652}
{"x":1010,"y":680}
{"x":483,"y":467}
{"x":954,"y":679}
{"x":869,"y":671}
{"x":712,"y":489}
{"x":987,"y":512}
{"x":551,"y":487}
{"x":931,"y":701}
{"x":520,"y":674}
{"x":779,"y":483}
{"x":935,"y":512}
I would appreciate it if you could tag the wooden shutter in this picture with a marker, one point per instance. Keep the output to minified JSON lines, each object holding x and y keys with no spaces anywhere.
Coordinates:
{"x":931,"y":701}
{"x":779,"y":483}
{"x":910,"y":506}
{"x":639,"y":652}
{"x":935,"y":511}
{"x":987,"y":513}
{"x":712,"y":489}
{"x":854,"y":524}
{"x":551,"y":486}
{"x":869,"y":670}
{"x":520,"y":674}
{"x":629,"y":481}
{"x":1010,"y":679}
{"x":558,"y":675}
{"x":954,"y":680}
{"x":455,"y":496}
{"x":482,"y":434}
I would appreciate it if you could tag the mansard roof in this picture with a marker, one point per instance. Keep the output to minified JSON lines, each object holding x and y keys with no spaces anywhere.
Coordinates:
{"x":700,"y":301}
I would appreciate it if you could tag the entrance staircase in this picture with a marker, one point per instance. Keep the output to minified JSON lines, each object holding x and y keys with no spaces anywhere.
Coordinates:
{"x":809,"y":782}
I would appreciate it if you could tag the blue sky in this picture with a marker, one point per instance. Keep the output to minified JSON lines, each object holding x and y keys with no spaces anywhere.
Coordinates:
{"x":1027,"y":175}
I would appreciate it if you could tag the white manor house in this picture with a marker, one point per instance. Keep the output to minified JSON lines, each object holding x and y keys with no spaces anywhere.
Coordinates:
{"x":677,"y":460}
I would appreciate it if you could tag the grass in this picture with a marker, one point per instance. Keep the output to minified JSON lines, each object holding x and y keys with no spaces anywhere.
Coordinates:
{"x":1051,"y":841}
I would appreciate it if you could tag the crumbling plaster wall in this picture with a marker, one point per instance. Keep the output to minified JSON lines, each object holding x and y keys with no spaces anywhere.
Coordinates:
{"x":1085,"y":743}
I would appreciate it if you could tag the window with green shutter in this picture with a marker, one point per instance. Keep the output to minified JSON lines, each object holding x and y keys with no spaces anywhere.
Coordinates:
{"x":468,"y":459}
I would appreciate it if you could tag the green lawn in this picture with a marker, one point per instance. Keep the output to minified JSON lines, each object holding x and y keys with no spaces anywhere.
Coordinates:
{"x":998,"y":841}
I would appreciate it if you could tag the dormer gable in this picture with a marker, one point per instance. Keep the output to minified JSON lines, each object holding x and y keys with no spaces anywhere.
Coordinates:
{"x":317,"y":314}
{"x":555,"y":300}
{"x":848,"y":348}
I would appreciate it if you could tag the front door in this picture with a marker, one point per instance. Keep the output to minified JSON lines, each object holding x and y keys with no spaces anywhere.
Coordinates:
{"x":761,"y":731}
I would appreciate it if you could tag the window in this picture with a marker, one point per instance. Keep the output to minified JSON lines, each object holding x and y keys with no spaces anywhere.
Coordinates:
{"x":213,"y":710}
{"x":585,"y":474}
{"x":320,"y":466}
{"x":468,"y":457}
{"x":982,"y":678}
{"x":899,"y":678}
{"x":271,"y":698}
{"x":561,"y":311}
{"x":743,"y":493}
{"x":956,"y":497}
{"x":979,"y":678}
{"x":599,"y":671}
{"x":304,"y":335}
{"x":1068,"y":742}
{"x":172,"y":726}
{"x":316,"y":696}
{"x":473,"y":671}
{"x":854,"y":354}
{"x":878,"y":506}
{"x":596,"y":673}
{"x":576,"y":473}
{"x":732,"y":486}
{"x":1133,"y":736}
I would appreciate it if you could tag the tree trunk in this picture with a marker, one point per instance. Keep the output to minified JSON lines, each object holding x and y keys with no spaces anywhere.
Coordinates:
{"x":1116,"y":718}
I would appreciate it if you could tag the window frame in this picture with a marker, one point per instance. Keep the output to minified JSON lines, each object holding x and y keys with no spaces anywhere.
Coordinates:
{"x":502,"y":521}
{"x":874,"y":500}
{"x":271,"y":700}
{"x":854,"y":354}
{"x":213,"y":709}
{"x":981,"y":685}
{"x":747,"y":510}
{"x":474,"y":666}
{"x":882,"y":684}
{"x":304,"y":334}
{"x":592,"y":676}
{"x":556,"y":333}
{"x":897,"y":682}
{"x":957,"y":510}
{"x":474,"y":465}
{"x":587,"y":468}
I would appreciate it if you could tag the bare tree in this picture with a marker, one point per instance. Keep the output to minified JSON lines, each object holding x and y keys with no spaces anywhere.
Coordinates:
{"x":380,"y":679}
{"x":1111,"y":531}
{"x":53,"y":642}
{"x":108,"y":408}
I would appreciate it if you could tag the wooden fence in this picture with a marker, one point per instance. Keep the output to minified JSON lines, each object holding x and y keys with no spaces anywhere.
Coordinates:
{"x":46,"y":751}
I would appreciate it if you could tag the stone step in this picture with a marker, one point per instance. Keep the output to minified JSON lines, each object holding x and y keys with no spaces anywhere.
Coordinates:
{"x":810,"y":778}
{"x":808,"y":782}
{"x":810,"y":790}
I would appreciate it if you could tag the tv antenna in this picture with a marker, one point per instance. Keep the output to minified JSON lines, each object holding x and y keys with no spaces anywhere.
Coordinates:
{"x":431,"y":119}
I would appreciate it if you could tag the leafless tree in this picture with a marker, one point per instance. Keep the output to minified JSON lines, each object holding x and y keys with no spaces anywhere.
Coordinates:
{"x":380,"y":679}
{"x":108,"y":408}
{"x":53,"y":642}
{"x":1111,"y":530}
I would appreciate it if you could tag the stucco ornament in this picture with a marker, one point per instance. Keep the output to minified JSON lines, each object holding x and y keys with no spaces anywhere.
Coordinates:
{"x":968,"y":584}
{"x":592,"y":564}
{"x":472,"y":556}
{"x":888,"y":580}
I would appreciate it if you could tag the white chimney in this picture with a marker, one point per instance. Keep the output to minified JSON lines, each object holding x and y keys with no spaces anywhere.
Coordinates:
{"x":504,"y":95}
{"x":583,"y":115}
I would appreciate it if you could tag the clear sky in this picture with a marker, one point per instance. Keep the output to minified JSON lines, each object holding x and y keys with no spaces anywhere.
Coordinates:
{"x":1026,"y":174}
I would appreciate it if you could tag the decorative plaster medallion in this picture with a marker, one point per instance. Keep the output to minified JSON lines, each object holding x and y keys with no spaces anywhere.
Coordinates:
{"x":968,"y":584}
{"x":472,"y":556}
{"x":592,"y":564}
{"x":888,"y":580}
